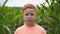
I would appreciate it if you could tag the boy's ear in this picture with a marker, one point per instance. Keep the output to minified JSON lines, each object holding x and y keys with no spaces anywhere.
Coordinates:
{"x":36,"y":15}
{"x":22,"y":15}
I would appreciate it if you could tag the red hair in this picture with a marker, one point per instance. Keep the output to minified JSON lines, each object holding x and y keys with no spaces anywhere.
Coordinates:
{"x":29,"y":6}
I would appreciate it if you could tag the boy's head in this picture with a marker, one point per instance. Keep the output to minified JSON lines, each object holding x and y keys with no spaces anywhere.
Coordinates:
{"x":29,"y":6}
{"x":29,"y":13}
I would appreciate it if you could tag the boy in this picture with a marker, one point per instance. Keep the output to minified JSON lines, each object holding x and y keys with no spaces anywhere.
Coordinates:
{"x":30,"y":27}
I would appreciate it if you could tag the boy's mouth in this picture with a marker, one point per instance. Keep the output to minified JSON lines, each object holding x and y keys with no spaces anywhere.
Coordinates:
{"x":29,"y":19}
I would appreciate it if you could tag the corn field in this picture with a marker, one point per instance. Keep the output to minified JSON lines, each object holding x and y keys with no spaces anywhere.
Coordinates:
{"x":48,"y":17}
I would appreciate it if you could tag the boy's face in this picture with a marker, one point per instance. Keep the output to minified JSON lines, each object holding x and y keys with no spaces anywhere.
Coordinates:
{"x":29,"y":15}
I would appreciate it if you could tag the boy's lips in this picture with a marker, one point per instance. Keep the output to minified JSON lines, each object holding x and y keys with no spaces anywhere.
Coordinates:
{"x":29,"y":20}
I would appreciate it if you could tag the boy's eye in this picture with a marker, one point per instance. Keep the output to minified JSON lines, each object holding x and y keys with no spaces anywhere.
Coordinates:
{"x":26,"y":14}
{"x":32,"y":14}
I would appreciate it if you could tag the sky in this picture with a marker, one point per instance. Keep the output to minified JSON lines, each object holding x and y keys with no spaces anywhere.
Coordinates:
{"x":1,"y":2}
{"x":21,"y":3}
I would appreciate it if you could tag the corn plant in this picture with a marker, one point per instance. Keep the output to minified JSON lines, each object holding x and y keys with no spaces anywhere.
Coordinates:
{"x":50,"y":16}
{"x":10,"y":19}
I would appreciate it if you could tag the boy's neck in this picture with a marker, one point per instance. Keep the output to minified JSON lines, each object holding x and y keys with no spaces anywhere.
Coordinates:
{"x":30,"y":24}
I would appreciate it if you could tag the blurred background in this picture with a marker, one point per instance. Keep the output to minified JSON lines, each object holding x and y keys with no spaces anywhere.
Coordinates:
{"x":11,"y":15}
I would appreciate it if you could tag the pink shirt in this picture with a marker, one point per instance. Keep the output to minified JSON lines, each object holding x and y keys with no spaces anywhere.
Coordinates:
{"x":30,"y":30}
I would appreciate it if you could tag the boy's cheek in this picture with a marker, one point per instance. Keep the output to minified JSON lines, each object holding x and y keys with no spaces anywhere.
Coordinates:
{"x":34,"y":17}
{"x":25,"y":18}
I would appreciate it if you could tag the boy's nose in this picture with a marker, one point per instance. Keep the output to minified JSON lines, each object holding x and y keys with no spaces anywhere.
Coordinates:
{"x":29,"y":16}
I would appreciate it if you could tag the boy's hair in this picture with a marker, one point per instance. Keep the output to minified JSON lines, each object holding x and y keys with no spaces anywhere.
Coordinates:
{"x":29,"y":6}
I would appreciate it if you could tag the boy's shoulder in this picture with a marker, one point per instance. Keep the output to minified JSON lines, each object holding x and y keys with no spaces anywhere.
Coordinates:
{"x":18,"y":30}
{"x":41,"y":29}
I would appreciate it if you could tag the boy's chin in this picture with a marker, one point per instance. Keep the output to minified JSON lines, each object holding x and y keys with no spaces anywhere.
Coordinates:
{"x":29,"y":20}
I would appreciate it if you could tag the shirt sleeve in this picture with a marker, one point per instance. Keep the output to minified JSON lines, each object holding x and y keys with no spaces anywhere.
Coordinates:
{"x":17,"y":31}
{"x":43,"y":31}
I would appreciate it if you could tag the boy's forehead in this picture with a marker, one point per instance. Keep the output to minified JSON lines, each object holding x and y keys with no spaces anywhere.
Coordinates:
{"x":29,"y":10}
